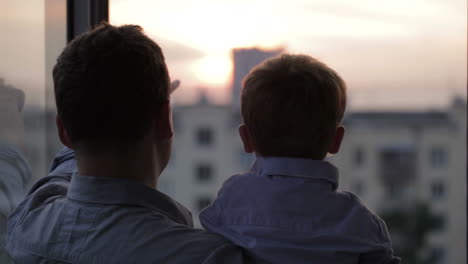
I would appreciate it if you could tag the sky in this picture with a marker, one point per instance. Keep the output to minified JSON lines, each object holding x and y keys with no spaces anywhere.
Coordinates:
{"x":395,"y":53}
{"x":392,"y":54}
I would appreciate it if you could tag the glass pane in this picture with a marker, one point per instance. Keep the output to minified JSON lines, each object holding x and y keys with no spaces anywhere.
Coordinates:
{"x":25,"y":80}
{"x":405,"y":66}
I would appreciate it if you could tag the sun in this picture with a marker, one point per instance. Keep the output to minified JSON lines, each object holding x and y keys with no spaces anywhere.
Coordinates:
{"x":213,"y":69}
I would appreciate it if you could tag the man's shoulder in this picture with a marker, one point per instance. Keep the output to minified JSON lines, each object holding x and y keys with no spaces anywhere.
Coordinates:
{"x":108,"y":233}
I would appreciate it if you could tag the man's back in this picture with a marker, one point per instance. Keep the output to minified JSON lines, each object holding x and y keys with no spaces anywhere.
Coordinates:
{"x":83,"y":219}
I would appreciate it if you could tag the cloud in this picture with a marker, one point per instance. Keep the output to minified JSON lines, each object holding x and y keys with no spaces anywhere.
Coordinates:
{"x":176,"y":52}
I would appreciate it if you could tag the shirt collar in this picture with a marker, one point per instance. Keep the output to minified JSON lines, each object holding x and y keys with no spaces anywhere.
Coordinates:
{"x":297,"y":167}
{"x":106,"y":190}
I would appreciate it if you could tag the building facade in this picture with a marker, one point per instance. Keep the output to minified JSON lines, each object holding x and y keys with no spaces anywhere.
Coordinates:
{"x":387,"y":158}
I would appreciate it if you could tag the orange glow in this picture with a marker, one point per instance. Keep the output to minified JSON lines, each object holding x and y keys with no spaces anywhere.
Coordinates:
{"x":213,"y":70}
{"x":374,"y":44}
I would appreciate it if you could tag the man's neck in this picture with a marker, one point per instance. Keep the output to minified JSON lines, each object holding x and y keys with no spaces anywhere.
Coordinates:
{"x":137,"y":165}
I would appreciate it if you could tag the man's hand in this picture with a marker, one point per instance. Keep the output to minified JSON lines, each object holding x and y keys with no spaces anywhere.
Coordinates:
{"x":174,"y":85}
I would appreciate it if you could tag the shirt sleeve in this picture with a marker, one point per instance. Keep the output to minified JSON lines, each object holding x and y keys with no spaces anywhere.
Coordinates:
{"x":54,"y":185}
{"x":231,"y":254}
{"x":381,"y":255}
{"x":211,"y":216}
{"x":15,"y":174}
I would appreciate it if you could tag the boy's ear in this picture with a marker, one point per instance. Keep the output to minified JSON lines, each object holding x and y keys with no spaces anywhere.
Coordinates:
{"x":246,"y":139}
{"x":336,"y":144}
{"x":62,"y":132}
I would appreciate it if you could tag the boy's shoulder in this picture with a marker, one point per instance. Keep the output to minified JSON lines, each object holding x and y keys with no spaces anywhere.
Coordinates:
{"x":366,"y":218}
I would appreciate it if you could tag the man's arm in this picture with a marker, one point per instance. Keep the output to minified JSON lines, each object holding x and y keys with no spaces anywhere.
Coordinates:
{"x":47,"y":188}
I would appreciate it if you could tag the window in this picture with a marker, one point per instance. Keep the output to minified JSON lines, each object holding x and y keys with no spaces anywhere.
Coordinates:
{"x":204,"y":136}
{"x":203,"y":202}
{"x":438,"y":157}
{"x":398,"y":164}
{"x":440,"y":223}
{"x":394,"y":191}
{"x":437,"y":255}
{"x":391,"y":123}
{"x":358,"y":157}
{"x":204,"y":173}
{"x":437,"y":190}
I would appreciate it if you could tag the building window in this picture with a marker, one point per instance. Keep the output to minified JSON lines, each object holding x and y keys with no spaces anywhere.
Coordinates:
{"x":204,"y":136}
{"x":438,"y":157}
{"x":204,"y":173}
{"x":437,"y":190}
{"x":394,"y":191}
{"x":397,"y":166}
{"x":203,"y":202}
{"x":437,"y":255}
{"x":440,"y":223}
{"x":358,"y":157}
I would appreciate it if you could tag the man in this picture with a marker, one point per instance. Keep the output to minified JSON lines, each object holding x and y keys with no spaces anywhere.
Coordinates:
{"x":112,"y":94}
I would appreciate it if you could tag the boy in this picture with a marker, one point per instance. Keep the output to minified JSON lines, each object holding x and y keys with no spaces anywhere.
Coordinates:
{"x":287,"y":209}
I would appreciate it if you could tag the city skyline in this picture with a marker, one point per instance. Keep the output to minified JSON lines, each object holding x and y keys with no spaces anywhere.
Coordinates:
{"x":391,"y":54}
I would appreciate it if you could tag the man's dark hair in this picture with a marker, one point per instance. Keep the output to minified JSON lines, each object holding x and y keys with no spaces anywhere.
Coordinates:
{"x":109,"y":84}
{"x":292,"y":105}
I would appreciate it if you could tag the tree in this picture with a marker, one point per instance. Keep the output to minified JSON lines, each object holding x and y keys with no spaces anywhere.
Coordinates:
{"x":409,"y":228}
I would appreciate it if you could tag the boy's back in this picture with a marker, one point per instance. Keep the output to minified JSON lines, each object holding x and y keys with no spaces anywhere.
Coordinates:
{"x":287,"y":209}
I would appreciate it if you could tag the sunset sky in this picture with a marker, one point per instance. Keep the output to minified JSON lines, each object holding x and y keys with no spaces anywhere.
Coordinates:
{"x":394,"y":52}
{"x":391,"y":53}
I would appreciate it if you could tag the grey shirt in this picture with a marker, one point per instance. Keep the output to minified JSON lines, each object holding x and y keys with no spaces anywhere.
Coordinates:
{"x":83,"y":219}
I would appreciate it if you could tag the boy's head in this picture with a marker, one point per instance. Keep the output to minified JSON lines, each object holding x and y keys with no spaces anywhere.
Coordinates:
{"x":292,"y":106}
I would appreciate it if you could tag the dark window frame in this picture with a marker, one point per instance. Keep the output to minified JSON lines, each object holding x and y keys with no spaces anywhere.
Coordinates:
{"x":204,"y":136}
{"x":83,"y":15}
{"x":204,"y":173}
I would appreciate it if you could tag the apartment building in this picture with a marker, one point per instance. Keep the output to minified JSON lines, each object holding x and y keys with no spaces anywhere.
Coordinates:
{"x":388,"y":158}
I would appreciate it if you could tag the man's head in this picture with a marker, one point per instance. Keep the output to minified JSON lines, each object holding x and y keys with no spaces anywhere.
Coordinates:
{"x":292,"y":106}
{"x":112,"y":91}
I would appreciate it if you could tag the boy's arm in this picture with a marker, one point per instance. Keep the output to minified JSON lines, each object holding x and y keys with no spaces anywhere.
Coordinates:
{"x":383,"y":255}
{"x":211,"y":216}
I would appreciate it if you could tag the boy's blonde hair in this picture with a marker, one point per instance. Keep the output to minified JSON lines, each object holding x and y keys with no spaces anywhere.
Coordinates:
{"x":292,"y":105}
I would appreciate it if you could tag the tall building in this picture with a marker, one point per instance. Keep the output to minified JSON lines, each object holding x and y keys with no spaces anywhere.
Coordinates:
{"x":244,"y":60}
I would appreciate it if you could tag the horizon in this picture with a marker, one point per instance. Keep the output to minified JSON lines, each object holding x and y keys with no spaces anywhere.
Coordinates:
{"x":392,"y":55}
{"x":389,"y":53}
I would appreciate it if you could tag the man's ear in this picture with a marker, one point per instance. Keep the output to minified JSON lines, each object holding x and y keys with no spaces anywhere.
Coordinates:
{"x":246,"y":139}
{"x":163,"y":122}
{"x":62,"y":132}
{"x":336,"y":144}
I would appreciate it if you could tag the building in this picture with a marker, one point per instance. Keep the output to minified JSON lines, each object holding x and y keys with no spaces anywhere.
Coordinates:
{"x":387,"y":158}
{"x":393,"y":159}
{"x":244,"y":60}
{"x":207,"y":150}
